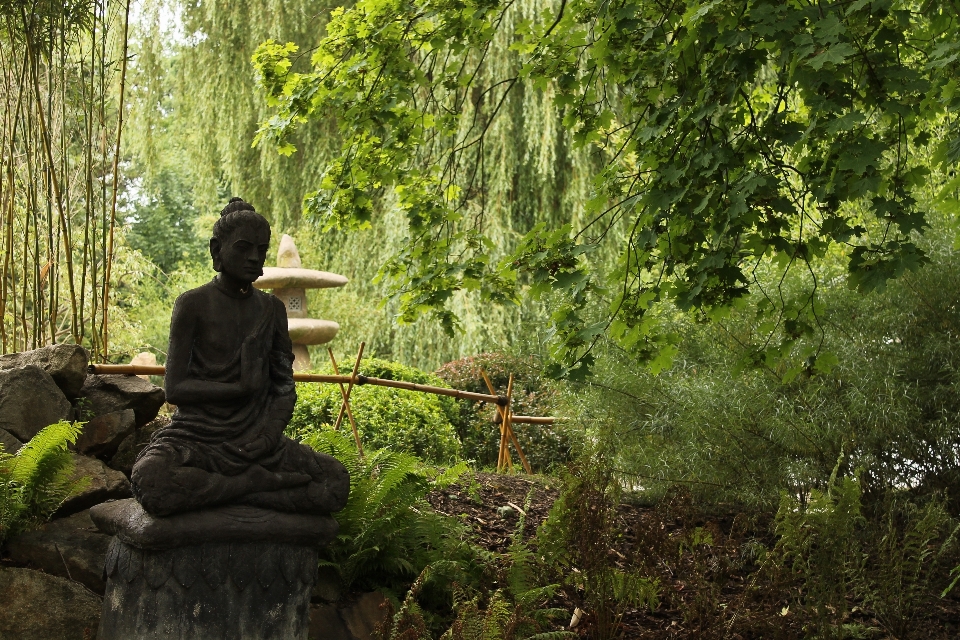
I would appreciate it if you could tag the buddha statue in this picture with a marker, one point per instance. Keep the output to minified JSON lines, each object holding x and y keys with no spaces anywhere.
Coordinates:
{"x":229,"y":373}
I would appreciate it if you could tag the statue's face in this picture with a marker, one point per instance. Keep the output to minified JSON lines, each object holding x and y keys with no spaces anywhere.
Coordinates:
{"x":242,"y":253}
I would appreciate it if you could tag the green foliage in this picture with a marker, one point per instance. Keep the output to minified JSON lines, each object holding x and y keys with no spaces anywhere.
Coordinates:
{"x":162,"y":225}
{"x":818,"y":542}
{"x":506,"y":603}
{"x":389,"y":533}
{"x":411,"y":422}
{"x":578,"y":537}
{"x":730,"y":423}
{"x":891,"y":563}
{"x":729,"y":134}
{"x":545,"y":446}
{"x":37,"y":479}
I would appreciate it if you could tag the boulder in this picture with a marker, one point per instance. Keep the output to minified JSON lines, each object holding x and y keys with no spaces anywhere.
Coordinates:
{"x":66,"y":364}
{"x":101,"y":436}
{"x":325,"y":624}
{"x":134,"y":443}
{"x":70,"y":548}
{"x":37,"y":606}
{"x":354,"y":619}
{"x":10,"y":444}
{"x":104,"y":484}
{"x":29,"y":401}
{"x":105,"y":394}
{"x":365,"y":614}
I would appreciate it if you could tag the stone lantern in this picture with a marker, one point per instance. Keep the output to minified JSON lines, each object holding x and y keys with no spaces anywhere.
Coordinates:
{"x":289,"y":282}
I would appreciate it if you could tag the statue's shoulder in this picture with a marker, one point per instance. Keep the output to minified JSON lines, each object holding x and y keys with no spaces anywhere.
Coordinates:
{"x":268,"y":298}
{"x":193,"y":298}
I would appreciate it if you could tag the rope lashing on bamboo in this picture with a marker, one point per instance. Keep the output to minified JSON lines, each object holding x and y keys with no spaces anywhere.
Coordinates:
{"x":143,"y":370}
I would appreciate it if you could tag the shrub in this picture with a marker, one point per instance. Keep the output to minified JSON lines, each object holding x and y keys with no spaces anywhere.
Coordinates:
{"x":544,"y":445}
{"x":407,"y":421}
{"x":37,"y":479}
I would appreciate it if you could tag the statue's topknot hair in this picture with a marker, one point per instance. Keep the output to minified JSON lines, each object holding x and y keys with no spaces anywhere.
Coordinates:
{"x":236,"y":214}
{"x":236,"y":204}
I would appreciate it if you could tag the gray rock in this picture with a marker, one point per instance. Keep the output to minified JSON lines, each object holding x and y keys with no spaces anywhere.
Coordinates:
{"x":66,"y":364}
{"x":327,"y":588}
{"x":70,"y":548}
{"x":134,"y":443}
{"x":325,"y":624}
{"x":103,"y":394}
{"x":104,"y":484}
{"x":29,"y":401}
{"x":37,"y":606}
{"x":101,"y":436}
{"x":10,"y":444}
{"x":356,"y":619}
{"x":364,"y":615}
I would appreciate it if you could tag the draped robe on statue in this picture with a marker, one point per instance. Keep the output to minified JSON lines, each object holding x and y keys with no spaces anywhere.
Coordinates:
{"x":185,"y":465}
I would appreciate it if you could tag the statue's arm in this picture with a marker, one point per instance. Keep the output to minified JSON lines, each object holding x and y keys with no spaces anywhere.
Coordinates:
{"x":282,"y":387}
{"x":180,"y":387}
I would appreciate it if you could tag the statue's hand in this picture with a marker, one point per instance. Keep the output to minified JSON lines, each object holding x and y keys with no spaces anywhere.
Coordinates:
{"x":264,"y":480}
{"x":251,"y":451}
{"x":253,"y":368}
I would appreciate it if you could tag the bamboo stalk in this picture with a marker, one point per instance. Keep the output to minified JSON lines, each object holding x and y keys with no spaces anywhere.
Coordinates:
{"x":356,"y":368}
{"x":138,"y":370}
{"x":505,"y":430}
{"x":116,"y":177}
{"x":500,"y":412}
{"x":346,"y":398}
{"x":532,"y":420}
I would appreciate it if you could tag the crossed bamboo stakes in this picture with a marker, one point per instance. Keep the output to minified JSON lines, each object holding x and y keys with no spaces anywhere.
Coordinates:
{"x":505,"y":416}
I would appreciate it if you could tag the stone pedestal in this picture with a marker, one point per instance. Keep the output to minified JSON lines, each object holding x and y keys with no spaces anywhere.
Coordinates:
{"x":234,"y":573}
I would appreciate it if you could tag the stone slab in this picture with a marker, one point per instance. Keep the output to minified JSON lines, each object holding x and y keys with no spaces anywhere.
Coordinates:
{"x":70,"y":547}
{"x":311,"y":331}
{"x":37,"y":606}
{"x":127,"y":520}
{"x":290,"y":278}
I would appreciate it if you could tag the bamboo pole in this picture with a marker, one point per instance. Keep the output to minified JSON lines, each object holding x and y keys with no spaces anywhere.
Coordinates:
{"x":515,"y":419}
{"x":346,"y":398}
{"x":356,"y":368}
{"x":116,"y":178}
{"x":501,"y":412}
{"x":505,"y":431}
{"x":138,"y":370}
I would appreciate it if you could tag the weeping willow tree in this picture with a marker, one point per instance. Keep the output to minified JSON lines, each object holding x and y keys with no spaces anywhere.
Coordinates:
{"x":195,"y":113}
{"x":62,"y":65}
{"x":737,"y":141}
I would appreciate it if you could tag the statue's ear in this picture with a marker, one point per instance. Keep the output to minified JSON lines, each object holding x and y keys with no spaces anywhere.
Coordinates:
{"x":215,"y":254}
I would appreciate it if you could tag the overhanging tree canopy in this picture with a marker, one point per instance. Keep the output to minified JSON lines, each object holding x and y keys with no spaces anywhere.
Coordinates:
{"x":728,"y":135}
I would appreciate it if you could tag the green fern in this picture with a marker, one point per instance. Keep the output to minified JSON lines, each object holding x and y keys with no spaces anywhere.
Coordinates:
{"x":388,"y":531}
{"x":37,"y":479}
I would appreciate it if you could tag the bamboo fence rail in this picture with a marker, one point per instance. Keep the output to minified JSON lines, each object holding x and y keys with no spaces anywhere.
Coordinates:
{"x":505,"y":418}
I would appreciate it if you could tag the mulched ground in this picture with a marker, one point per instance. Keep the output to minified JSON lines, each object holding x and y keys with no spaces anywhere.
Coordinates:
{"x":710,"y":586}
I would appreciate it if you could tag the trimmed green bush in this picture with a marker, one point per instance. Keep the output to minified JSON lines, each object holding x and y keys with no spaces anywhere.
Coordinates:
{"x":395,"y":419}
